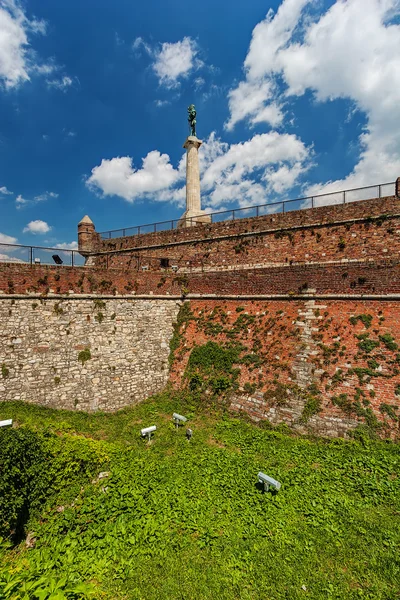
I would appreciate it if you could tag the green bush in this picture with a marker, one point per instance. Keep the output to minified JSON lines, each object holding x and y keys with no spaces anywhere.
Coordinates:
{"x":22,"y":462}
{"x":388,"y":340}
{"x":84,"y":355}
{"x":36,"y":466}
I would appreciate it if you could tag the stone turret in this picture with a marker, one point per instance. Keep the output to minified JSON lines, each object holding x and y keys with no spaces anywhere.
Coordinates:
{"x":88,"y":239}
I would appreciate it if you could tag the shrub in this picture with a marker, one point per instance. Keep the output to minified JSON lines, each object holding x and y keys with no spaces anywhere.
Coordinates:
{"x":366,"y":320}
{"x":388,"y":340}
{"x":84,"y":355}
{"x":389,"y":410}
{"x":365,"y":344}
{"x":312,"y":407}
{"x":20,"y":453}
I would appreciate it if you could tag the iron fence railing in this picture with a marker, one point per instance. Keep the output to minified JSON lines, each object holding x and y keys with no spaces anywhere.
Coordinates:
{"x":17,"y":253}
{"x":342,"y":197}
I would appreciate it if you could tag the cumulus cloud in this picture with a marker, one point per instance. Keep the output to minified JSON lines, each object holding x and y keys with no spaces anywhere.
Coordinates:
{"x":7,"y":239}
{"x":172,"y":61}
{"x":175,"y":61}
{"x":250,"y":100}
{"x":247,"y":173}
{"x":17,"y":60}
{"x":351,"y":51}
{"x":67,"y":246}
{"x":254,"y":171}
{"x":118,"y":176}
{"x":7,"y":258}
{"x":37,"y":227}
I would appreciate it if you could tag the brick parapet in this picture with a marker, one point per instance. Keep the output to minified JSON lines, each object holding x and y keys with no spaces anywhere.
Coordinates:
{"x":323,"y":215}
{"x":353,"y":278}
{"x":358,"y":231}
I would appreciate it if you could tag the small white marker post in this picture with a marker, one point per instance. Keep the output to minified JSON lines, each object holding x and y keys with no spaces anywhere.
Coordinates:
{"x":6,"y":423}
{"x":147,"y":431}
{"x":178,"y":419}
{"x":268,"y":482}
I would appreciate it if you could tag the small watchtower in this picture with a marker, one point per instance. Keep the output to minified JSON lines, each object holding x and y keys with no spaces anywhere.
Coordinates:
{"x":88,"y":239}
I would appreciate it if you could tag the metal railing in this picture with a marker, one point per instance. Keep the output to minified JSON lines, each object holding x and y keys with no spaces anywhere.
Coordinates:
{"x":40,"y":255}
{"x":343,"y":197}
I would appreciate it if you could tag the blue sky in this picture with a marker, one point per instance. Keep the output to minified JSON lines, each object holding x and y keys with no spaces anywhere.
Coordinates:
{"x":293,"y":97}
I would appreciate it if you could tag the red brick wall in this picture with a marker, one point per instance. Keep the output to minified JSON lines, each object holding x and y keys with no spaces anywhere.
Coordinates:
{"x":350,"y":278}
{"x":312,"y":235}
{"x":345,"y":368}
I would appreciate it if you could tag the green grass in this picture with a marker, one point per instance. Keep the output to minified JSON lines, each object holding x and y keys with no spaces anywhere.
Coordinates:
{"x":178,"y":519}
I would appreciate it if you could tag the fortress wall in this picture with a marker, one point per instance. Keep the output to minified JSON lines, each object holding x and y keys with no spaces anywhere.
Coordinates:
{"x":353,"y":231}
{"x":41,"y":342}
{"x":290,"y":349}
{"x":352,"y":278}
{"x":299,"y":339}
{"x":331,"y":322}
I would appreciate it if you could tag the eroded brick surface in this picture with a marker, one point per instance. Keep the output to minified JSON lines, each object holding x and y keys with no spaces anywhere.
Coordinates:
{"x":347,"y":350}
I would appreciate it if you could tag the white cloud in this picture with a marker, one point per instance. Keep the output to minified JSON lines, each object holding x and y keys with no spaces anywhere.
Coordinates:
{"x":5,"y":191}
{"x":172,"y":62}
{"x":249,"y":100}
{"x":37,"y":227}
{"x":60,"y":84}
{"x":7,"y":239}
{"x":351,"y":51}
{"x":247,"y":173}
{"x":118,"y":177}
{"x":199,"y":82}
{"x":22,"y":202}
{"x":161,"y":103}
{"x":139,"y":43}
{"x":254,"y":171}
{"x":175,"y":61}
{"x":67,"y":246}
{"x":7,"y":258}
{"x":45,"y":196}
{"x":17,"y":60}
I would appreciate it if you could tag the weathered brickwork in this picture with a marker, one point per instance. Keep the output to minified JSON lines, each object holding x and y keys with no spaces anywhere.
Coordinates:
{"x":84,"y":354}
{"x":343,"y":354}
{"x":357,"y":231}
{"x":308,"y":301}
{"x":351,"y":278}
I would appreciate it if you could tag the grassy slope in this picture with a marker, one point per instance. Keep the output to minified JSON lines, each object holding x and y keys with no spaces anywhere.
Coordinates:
{"x":186,"y":520}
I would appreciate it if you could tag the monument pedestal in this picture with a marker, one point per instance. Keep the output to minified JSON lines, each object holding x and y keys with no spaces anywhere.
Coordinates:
{"x":191,"y":218}
{"x":193,"y":214}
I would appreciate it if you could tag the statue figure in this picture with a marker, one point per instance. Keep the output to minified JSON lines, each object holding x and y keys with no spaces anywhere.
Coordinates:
{"x":192,"y":119}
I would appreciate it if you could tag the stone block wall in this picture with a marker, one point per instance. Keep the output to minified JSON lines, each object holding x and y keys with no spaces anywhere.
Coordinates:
{"x":86,"y":354}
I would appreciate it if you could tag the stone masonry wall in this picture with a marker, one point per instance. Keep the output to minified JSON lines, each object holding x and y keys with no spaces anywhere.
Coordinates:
{"x":43,"y":345}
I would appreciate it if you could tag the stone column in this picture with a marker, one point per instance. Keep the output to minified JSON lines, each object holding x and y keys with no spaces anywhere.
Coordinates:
{"x":193,"y":214}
